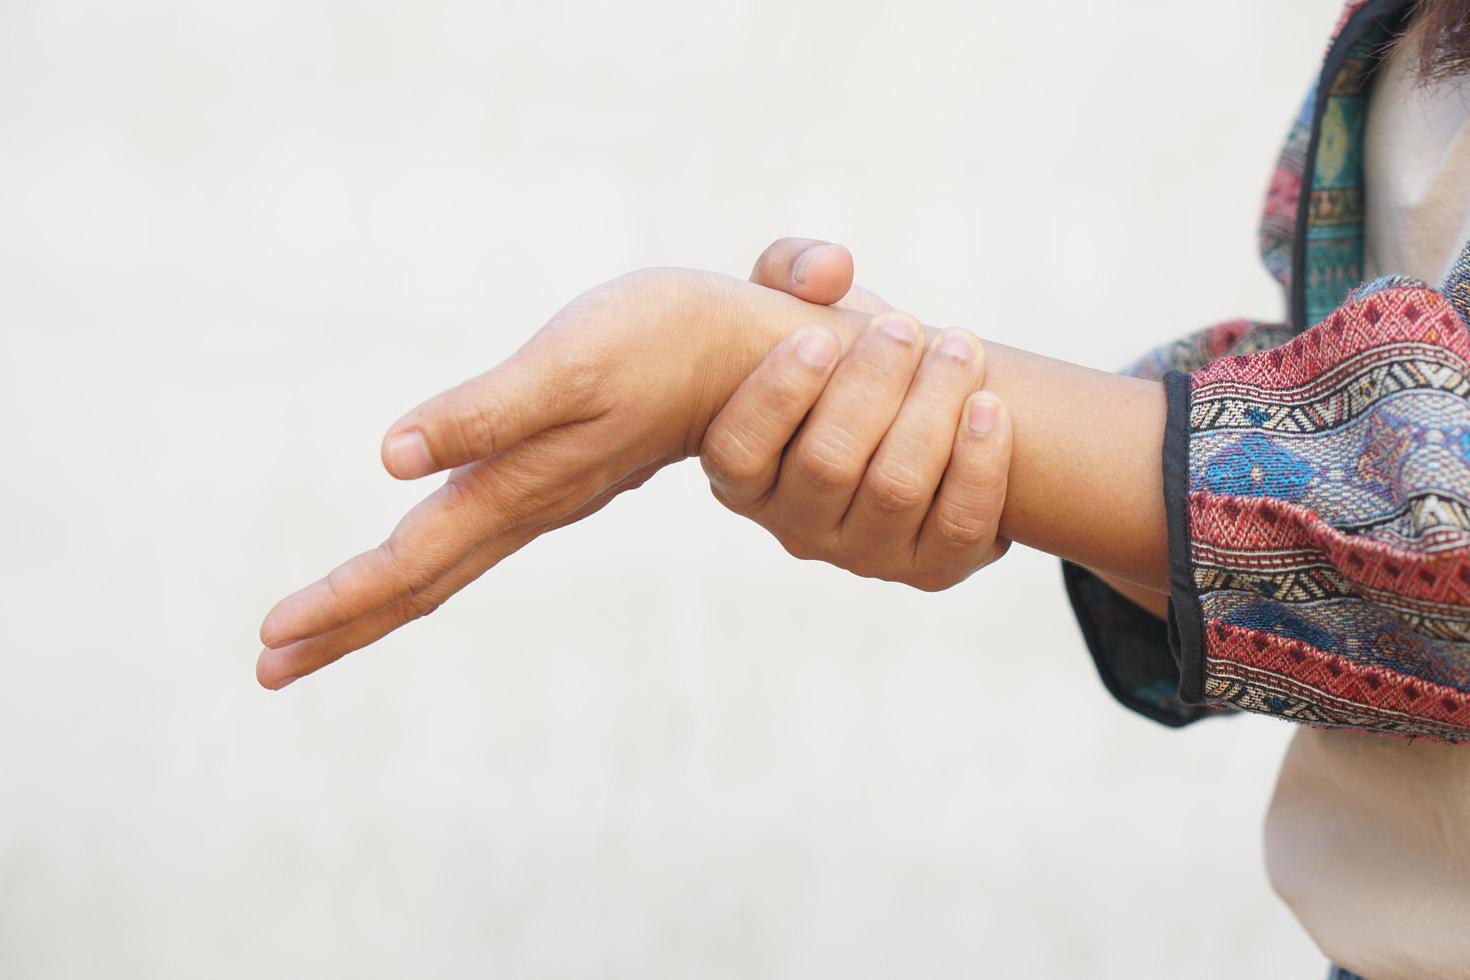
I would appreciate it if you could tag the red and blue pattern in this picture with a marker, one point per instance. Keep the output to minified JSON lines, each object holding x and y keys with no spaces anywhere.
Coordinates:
{"x":1329,"y":545}
{"x":1322,"y":564}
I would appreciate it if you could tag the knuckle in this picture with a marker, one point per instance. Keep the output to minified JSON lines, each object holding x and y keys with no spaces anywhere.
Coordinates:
{"x":579,"y":373}
{"x":788,"y":393}
{"x":986,"y":487}
{"x":824,"y":463}
{"x":961,"y":529}
{"x":728,"y":458}
{"x":981,"y":473}
{"x":400,"y":573}
{"x":473,"y":423}
{"x":801,"y":547}
{"x":487,"y":500}
{"x":335,"y":586}
{"x":876,"y":367}
{"x":895,"y":487}
{"x":726,"y":500}
{"x":418,"y":605}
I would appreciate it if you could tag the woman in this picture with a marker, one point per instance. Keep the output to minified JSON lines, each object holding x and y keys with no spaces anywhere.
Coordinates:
{"x":1303,"y":551}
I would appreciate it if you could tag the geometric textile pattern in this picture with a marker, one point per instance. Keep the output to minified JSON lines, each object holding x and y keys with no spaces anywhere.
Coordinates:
{"x":1329,"y":519}
{"x":1333,"y":260}
{"x":1348,"y":465}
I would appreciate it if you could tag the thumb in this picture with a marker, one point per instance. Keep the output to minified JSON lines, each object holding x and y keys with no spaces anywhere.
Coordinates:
{"x":807,"y":268}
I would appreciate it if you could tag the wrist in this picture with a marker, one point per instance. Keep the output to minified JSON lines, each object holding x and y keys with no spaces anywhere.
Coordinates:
{"x":729,"y":327}
{"x":704,"y":336}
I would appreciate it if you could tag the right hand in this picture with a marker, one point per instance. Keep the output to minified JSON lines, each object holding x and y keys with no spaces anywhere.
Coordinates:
{"x":816,"y":271}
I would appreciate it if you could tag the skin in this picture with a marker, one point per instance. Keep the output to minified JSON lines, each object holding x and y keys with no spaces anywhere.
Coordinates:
{"x":892,"y":464}
{"x":822,"y":272}
{"x":581,"y":413}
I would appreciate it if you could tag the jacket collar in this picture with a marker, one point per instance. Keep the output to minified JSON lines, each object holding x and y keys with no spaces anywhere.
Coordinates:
{"x":1327,"y":245}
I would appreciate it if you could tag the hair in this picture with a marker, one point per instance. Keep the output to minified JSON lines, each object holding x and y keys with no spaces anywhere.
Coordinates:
{"x":1442,"y":30}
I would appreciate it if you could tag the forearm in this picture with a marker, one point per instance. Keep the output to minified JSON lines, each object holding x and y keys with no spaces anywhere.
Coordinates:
{"x":1086,"y":476}
{"x":1086,"y":481}
{"x":1149,"y":600}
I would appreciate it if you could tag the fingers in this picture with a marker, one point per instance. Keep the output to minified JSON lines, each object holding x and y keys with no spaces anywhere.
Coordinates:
{"x":532,"y":391}
{"x":479,"y":503}
{"x":825,"y":462}
{"x":280,"y":665}
{"x":816,"y":271}
{"x":431,"y":539}
{"x":741,"y":451}
{"x":283,"y":664}
{"x":959,"y":533}
{"x":905,"y":471}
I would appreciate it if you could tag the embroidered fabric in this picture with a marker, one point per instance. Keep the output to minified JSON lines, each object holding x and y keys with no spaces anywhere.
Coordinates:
{"x":1318,"y":479}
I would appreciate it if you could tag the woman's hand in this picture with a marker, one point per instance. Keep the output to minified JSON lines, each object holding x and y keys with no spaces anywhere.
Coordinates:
{"x":577,"y":415}
{"x":816,"y":271}
{"x":620,"y":383}
{"x":628,"y":378}
{"x":892,"y":464}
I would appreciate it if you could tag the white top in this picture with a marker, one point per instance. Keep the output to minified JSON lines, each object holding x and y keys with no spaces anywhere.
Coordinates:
{"x":1417,"y":165}
{"x":1368,"y":837}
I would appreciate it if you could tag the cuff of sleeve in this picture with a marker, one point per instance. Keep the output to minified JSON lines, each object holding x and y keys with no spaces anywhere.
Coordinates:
{"x":1130,"y":648}
{"x":1185,"y":623}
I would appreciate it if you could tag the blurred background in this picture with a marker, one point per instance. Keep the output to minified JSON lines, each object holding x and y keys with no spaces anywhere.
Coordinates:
{"x":238,"y":240}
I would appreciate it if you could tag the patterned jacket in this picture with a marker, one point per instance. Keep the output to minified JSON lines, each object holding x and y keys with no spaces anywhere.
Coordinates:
{"x":1316,"y":472}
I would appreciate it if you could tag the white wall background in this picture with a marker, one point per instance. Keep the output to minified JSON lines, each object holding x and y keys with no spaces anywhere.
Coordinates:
{"x":237,"y":240}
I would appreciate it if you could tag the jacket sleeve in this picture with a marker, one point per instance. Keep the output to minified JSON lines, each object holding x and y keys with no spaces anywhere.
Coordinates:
{"x":1130,"y":647}
{"x":1318,"y":499}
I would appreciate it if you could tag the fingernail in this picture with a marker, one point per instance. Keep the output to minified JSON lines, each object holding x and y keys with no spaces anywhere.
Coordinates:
{"x":900,"y":329}
{"x":408,"y":455}
{"x":804,"y":262}
{"x":958,"y":346}
{"x":982,"y":415}
{"x":817,"y":349}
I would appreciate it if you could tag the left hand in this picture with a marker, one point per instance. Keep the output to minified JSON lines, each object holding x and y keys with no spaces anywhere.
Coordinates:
{"x":892,"y":464}
{"x":620,"y":383}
